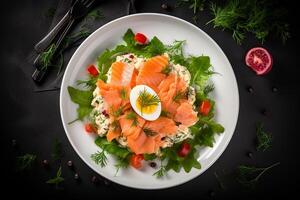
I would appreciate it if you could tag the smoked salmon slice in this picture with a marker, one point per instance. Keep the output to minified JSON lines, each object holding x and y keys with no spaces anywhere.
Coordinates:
{"x":121,"y":73}
{"x":150,"y":73}
{"x":185,"y":114}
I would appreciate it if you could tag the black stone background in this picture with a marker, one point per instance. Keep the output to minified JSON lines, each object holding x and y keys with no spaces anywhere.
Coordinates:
{"x":33,"y":119}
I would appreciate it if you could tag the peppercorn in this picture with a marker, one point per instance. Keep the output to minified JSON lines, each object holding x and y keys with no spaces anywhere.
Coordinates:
{"x":152,"y":164}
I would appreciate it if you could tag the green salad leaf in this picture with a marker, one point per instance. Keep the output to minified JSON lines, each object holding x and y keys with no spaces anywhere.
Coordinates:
{"x":112,"y":147}
{"x":83,"y":98}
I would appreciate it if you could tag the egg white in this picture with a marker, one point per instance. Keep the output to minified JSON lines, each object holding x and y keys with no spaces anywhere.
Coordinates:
{"x":134,"y":95}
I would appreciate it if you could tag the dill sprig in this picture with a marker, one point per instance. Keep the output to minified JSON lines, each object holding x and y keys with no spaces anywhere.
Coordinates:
{"x":178,"y":96}
{"x":115,"y":125}
{"x":260,"y":18}
{"x":146,"y":99}
{"x":149,"y":132}
{"x":166,"y":70}
{"x":208,"y":89}
{"x":123,"y":93}
{"x":46,"y":56}
{"x":25,"y":162}
{"x":161,"y":172}
{"x":165,"y":113}
{"x":263,"y":139}
{"x":95,"y":15}
{"x":250,"y":175}
{"x":132,"y":116}
{"x":122,"y":163}
{"x":57,"y":179}
{"x":99,"y":158}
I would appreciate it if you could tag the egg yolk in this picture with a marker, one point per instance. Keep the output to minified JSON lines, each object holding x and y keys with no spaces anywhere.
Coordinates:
{"x":145,"y":109}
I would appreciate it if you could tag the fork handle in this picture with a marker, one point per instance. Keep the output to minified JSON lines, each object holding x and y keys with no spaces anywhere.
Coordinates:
{"x":47,"y":40}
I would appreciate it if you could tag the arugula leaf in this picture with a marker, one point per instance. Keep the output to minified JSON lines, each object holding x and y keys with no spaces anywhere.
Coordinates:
{"x":199,"y":69}
{"x":129,"y":38}
{"x":204,"y":132}
{"x":190,"y":161}
{"x":155,"y":47}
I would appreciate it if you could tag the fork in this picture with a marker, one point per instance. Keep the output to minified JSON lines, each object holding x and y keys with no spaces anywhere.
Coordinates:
{"x":78,"y":10}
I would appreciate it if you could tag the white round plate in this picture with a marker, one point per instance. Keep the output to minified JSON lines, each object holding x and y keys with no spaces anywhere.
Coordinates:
{"x":167,"y":29}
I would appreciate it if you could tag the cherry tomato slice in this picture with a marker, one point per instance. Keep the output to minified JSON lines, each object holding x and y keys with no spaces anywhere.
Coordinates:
{"x":136,"y":161}
{"x":92,"y":70}
{"x":184,"y":149}
{"x":205,"y":107}
{"x":140,"y":38}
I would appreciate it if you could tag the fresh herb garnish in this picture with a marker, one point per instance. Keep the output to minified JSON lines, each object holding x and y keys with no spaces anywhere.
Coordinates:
{"x":165,"y":113}
{"x":57,"y":179}
{"x":263,"y":139}
{"x":178,"y":96}
{"x":122,"y":163}
{"x":57,"y":151}
{"x":117,"y":112}
{"x":161,"y":172}
{"x":99,"y":158}
{"x":25,"y":162}
{"x":146,"y":99}
{"x":166,"y":70}
{"x":258,"y":17}
{"x":123,"y":93}
{"x":208,"y":89}
{"x":195,"y":5}
{"x":132,"y":116}
{"x":115,"y":125}
{"x":46,"y":56}
{"x":249,"y":175}
{"x":95,"y":14}
{"x":149,"y":132}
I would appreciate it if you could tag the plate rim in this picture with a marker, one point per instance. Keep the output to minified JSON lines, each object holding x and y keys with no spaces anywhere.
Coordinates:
{"x":167,"y":185}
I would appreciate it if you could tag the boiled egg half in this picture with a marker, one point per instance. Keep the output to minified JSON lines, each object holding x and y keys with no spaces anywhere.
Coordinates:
{"x":145,"y":102}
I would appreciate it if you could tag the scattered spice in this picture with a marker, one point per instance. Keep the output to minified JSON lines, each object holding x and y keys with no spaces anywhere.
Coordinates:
{"x":153,"y":164}
{"x":45,"y":163}
{"x":250,"y":89}
{"x":250,"y":154}
{"x":274,"y":89}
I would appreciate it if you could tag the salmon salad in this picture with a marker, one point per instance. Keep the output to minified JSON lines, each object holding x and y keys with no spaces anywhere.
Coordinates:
{"x":148,"y":104}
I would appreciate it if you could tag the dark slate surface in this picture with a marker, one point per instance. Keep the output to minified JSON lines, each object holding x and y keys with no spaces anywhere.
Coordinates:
{"x":33,"y":119}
